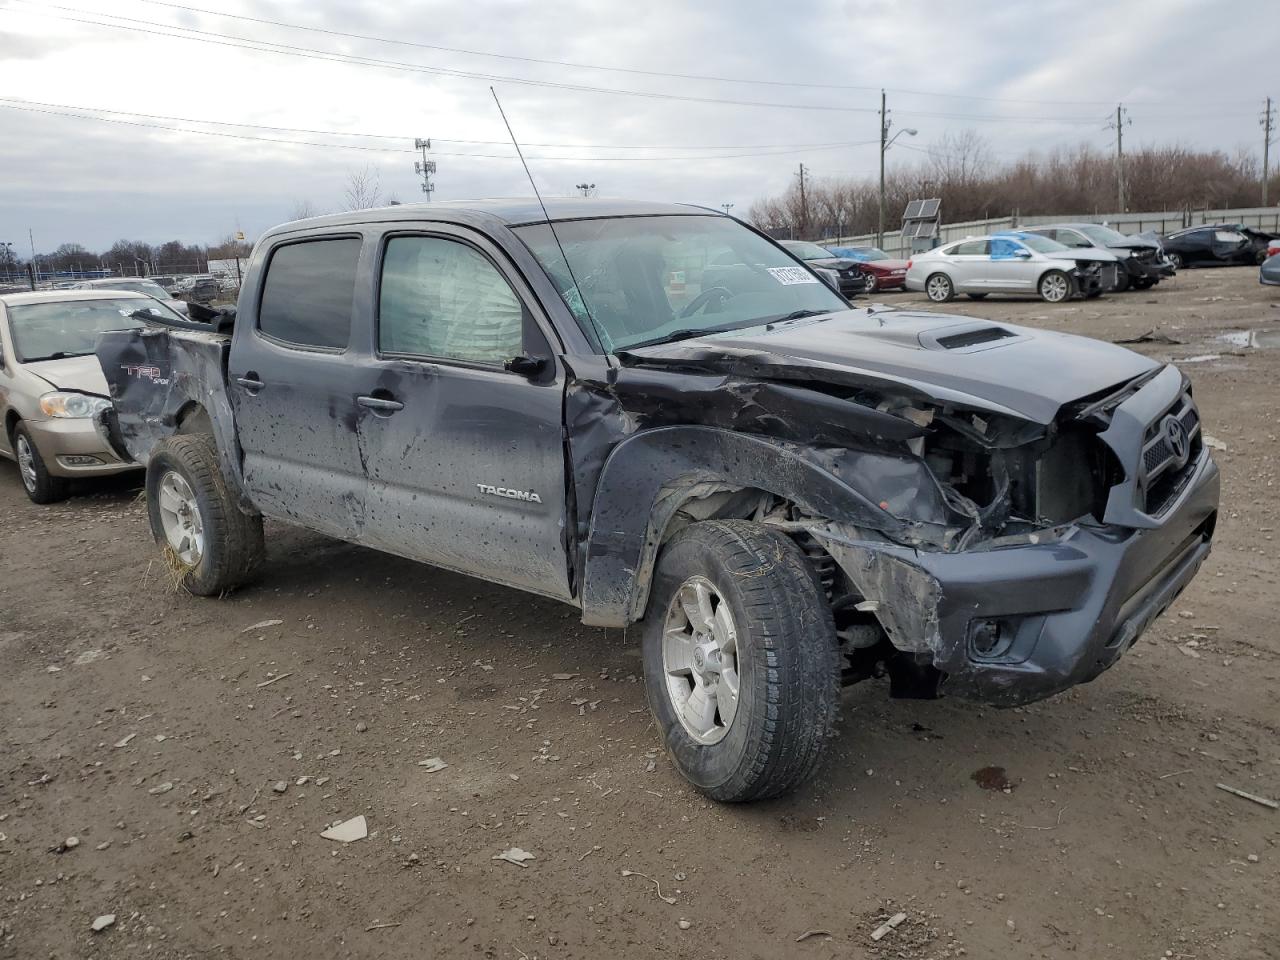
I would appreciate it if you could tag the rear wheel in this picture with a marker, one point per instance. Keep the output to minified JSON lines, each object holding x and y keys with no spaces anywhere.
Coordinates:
{"x":40,"y":485}
{"x":740,"y":660}
{"x":211,"y":545}
{"x":1055,"y":286}
{"x":939,"y":288}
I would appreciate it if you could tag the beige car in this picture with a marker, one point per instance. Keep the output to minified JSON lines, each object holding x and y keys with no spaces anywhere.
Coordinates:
{"x":51,"y":385}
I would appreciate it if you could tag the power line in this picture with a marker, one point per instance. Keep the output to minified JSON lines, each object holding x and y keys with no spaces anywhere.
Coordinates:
{"x":401,"y":136}
{"x":312,"y":53}
{"x":613,"y":69}
{"x":348,"y":146}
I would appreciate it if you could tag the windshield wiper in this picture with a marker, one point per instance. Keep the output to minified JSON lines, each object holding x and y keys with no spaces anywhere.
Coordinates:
{"x":687,"y":333}
{"x":796,"y":315}
{"x":56,"y":355}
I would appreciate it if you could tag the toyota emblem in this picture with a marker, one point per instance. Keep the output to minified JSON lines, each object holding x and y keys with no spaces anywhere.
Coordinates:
{"x":1175,"y":435}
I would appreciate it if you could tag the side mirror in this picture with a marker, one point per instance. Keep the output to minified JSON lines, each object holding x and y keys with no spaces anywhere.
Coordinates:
{"x":1023,"y":254}
{"x":525,"y":366}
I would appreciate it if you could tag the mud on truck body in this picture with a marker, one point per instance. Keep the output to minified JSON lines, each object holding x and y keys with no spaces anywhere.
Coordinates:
{"x":659,"y":416}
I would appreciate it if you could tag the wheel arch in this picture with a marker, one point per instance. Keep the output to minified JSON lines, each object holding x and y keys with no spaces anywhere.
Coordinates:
{"x":656,"y":482}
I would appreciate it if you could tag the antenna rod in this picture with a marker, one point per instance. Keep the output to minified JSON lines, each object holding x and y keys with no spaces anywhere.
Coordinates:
{"x":550,"y":223}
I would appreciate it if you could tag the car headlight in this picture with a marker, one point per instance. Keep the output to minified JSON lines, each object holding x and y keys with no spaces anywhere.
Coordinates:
{"x":830,"y":276}
{"x":72,"y":406}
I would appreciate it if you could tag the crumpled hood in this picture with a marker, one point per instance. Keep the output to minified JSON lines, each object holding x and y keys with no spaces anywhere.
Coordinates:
{"x":973,"y":363}
{"x":1084,"y":253}
{"x":72,"y":373}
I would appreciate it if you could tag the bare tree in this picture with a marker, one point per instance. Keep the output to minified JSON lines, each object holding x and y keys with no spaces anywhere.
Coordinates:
{"x":303,"y":210}
{"x":364,"y":189}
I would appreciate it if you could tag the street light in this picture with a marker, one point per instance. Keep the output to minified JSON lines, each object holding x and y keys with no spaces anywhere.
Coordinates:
{"x":726,"y":207}
{"x":884,"y":146}
{"x":587,"y":189}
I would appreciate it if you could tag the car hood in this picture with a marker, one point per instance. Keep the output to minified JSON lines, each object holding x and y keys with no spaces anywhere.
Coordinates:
{"x":1083,"y":253}
{"x":72,"y":373}
{"x":980,"y":364}
{"x":833,"y":263}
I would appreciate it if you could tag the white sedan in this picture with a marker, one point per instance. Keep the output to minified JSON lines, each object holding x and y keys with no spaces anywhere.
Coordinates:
{"x":1012,"y":263}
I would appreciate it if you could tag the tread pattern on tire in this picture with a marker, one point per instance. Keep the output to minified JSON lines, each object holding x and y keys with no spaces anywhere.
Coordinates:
{"x":794,"y":636}
{"x":234,"y":544}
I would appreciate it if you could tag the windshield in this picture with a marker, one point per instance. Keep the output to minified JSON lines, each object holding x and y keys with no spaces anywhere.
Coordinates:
{"x":808,"y":251}
{"x":1103,"y":236}
{"x":1041,"y":244}
{"x":69,"y":328}
{"x":646,"y":279}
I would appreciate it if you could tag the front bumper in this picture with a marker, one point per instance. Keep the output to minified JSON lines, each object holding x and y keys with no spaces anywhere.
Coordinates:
{"x":74,"y":448}
{"x":1062,"y":605}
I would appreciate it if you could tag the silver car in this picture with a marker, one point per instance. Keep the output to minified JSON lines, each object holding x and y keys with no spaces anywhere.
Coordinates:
{"x":1012,"y":263}
{"x":51,"y":385}
{"x":136,"y":285}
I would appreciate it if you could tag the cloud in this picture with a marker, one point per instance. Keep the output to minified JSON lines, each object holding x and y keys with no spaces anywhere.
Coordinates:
{"x":1023,"y":76}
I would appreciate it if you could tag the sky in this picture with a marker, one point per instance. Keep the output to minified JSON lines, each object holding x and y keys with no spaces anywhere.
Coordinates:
{"x":710,"y":103}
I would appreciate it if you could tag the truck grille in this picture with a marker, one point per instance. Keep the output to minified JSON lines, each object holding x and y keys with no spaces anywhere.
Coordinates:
{"x":1169,"y":455}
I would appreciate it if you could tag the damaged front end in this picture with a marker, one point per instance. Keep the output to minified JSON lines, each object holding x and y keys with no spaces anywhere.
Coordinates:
{"x":965,"y":549}
{"x":1076,"y":540}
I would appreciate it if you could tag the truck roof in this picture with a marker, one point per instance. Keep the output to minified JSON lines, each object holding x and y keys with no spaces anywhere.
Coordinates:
{"x":511,"y":212}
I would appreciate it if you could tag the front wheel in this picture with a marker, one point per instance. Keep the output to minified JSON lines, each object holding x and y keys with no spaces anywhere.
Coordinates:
{"x":1175,"y":260}
{"x":210,"y":544}
{"x":1055,"y":286}
{"x":41,"y":486}
{"x":740,"y":660}
{"x":939,"y":288}
{"x":870,"y":283}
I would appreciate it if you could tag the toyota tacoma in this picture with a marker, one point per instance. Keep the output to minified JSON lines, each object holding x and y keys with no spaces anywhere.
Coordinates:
{"x":656,"y":414}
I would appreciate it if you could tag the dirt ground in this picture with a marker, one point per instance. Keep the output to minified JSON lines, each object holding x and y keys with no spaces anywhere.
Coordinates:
{"x":197,"y":749}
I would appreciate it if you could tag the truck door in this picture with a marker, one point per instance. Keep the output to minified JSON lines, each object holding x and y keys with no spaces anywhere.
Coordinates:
{"x":293,"y":385}
{"x":465,"y":459}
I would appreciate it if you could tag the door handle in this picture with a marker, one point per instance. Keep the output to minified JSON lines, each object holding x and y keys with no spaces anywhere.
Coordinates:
{"x":380,"y":404}
{"x":250,"y":383}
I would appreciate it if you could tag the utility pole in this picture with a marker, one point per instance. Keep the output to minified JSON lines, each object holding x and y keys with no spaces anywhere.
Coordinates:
{"x":1267,"y":121}
{"x":884,"y":145}
{"x":804,"y":206}
{"x":1118,"y":126}
{"x":424,"y":167}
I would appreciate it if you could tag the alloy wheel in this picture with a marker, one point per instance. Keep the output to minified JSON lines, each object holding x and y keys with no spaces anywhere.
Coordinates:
{"x":180,"y":518}
{"x":26,"y":463}
{"x":939,"y":288}
{"x":1055,"y":288}
{"x":700,"y":660}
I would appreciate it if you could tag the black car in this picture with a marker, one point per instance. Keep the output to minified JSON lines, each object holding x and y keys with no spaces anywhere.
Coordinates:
{"x":1217,"y":244}
{"x":843,"y":274}
{"x":1143,"y":261}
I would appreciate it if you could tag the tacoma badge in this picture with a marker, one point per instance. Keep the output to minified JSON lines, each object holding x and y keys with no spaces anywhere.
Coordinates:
{"x":526,"y":495}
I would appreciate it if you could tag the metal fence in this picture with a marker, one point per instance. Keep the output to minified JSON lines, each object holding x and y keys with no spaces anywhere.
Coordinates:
{"x":1262,"y":218}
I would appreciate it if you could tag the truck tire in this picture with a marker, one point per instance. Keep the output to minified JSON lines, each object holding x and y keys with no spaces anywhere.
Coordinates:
{"x":41,"y":486}
{"x":211,"y":545}
{"x":740,"y":660}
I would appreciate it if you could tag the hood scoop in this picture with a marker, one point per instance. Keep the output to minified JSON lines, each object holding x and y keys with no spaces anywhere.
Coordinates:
{"x":968,"y":338}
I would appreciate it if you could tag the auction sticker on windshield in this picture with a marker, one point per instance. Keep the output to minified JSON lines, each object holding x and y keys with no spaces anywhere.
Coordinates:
{"x":791,"y":275}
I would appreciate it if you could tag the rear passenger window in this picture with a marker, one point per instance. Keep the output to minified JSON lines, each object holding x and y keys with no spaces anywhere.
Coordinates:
{"x":442,"y":298}
{"x":309,"y":291}
{"x":973,"y":248}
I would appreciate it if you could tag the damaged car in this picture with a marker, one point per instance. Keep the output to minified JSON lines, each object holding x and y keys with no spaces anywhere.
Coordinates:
{"x":1217,"y":245}
{"x":1011,"y":263}
{"x":654,"y":414}
{"x":1142,"y":261}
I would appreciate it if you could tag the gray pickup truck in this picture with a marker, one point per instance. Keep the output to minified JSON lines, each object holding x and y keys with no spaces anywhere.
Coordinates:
{"x":656,"y":414}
